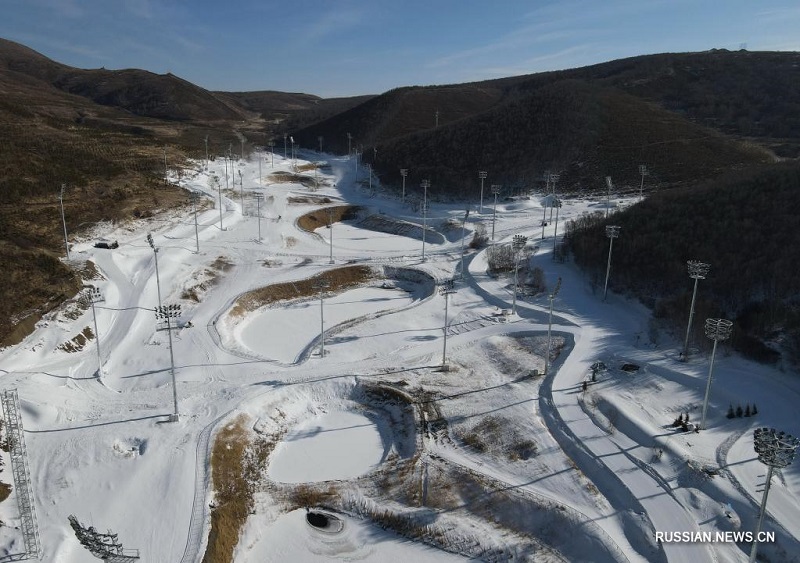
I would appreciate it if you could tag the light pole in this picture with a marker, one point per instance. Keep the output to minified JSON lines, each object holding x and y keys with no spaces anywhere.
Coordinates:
{"x":241,"y":191}
{"x":330,"y":234}
{"x":495,"y":190}
{"x":369,"y":173}
{"x":272,"y":152}
{"x":425,"y":185}
{"x":167,"y":313}
{"x":259,"y":197}
{"x":518,"y":244}
{"x":349,"y":144}
{"x":219,"y":193}
{"x":403,"y":173}
{"x":482,"y":175}
{"x":717,"y":330}
{"x":284,"y":145}
{"x":644,"y":172}
{"x":63,"y":218}
{"x":155,"y":253}
{"x":553,"y":179}
{"x":608,"y":199}
{"x":321,"y":285}
{"x":260,"y":181}
{"x":294,"y":159}
{"x":94,"y":295}
{"x":775,"y":450}
{"x":206,"y":152}
{"x":551,"y":297}
{"x":612,"y":232}
{"x":463,"y":236}
{"x":697,"y":271}
{"x":446,"y":288}
{"x":557,"y":204}
{"x":194,"y":195}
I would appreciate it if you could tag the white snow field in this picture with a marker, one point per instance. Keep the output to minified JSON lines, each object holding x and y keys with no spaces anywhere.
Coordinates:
{"x":486,"y":460}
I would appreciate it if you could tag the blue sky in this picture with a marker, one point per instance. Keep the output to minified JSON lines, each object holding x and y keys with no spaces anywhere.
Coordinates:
{"x":350,"y":47}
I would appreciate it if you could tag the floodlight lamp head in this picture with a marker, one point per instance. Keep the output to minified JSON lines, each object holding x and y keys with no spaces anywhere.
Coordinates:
{"x":774,"y":448}
{"x":519,"y":242}
{"x":556,"y":289}
{"x":608,"y":182}
{"x":718,"y":329}
{"x":612,"y":231}
{"x":496,"y":188}
{"x":482,"y":174}
{"x":447,"y":287}
{"x":404,"y":172}
{"x":697,"y":270}
{"x":150,"y":241}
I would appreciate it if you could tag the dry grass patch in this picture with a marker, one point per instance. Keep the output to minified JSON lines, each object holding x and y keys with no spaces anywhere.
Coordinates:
{"x":338,"y":280}
{"x":320,"y":217}
{"x":77,"y":342}
{"x":237,"y":460}
{"x":289,"y":178}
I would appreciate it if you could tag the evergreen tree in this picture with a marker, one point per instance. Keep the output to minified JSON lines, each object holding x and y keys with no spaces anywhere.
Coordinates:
{"x":747,"y":410}
{"x":739,"y":411}
{"x":731,"y":412}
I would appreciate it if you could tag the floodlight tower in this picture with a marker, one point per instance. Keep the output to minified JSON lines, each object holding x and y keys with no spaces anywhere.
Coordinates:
{"x":495,"y":190}
{"x":260,"y":181}
{"x":272,"y":152}
{"x":446,"y":289}
{"x":697,"y":271}
{"x":775,"y":450}
{"x":320,"y":143}
{"x":557,"y":204}
{"x":206,"y":152}
{"x":63,"y":218}
{"x":608,"y":199}
{"x":717,"y":330}
{"x":94,"y":295}
{"x":482,"y":175}
{"x":518,"y":244}
{"x":285,"y":135}
{"x":259,"y":199}
{"x":321,"y":285}
{"x":425,"y":185}
{"x":463,"y":236}
{"x":403,"y":173}
{"x":194,"y":195}
{"x":349,"y":144}
{"x":612,"y":232}
{"x":643,"y":172}
{"x":167,"y":313}
{"x":369,"y":173}
{"x":330,"y":233}
{"x":155,"y":254}
{"x":551,"y":297}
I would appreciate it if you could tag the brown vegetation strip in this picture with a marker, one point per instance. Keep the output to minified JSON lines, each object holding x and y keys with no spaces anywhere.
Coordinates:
{"x":338,"y":280}
{"x":319,"y":217}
